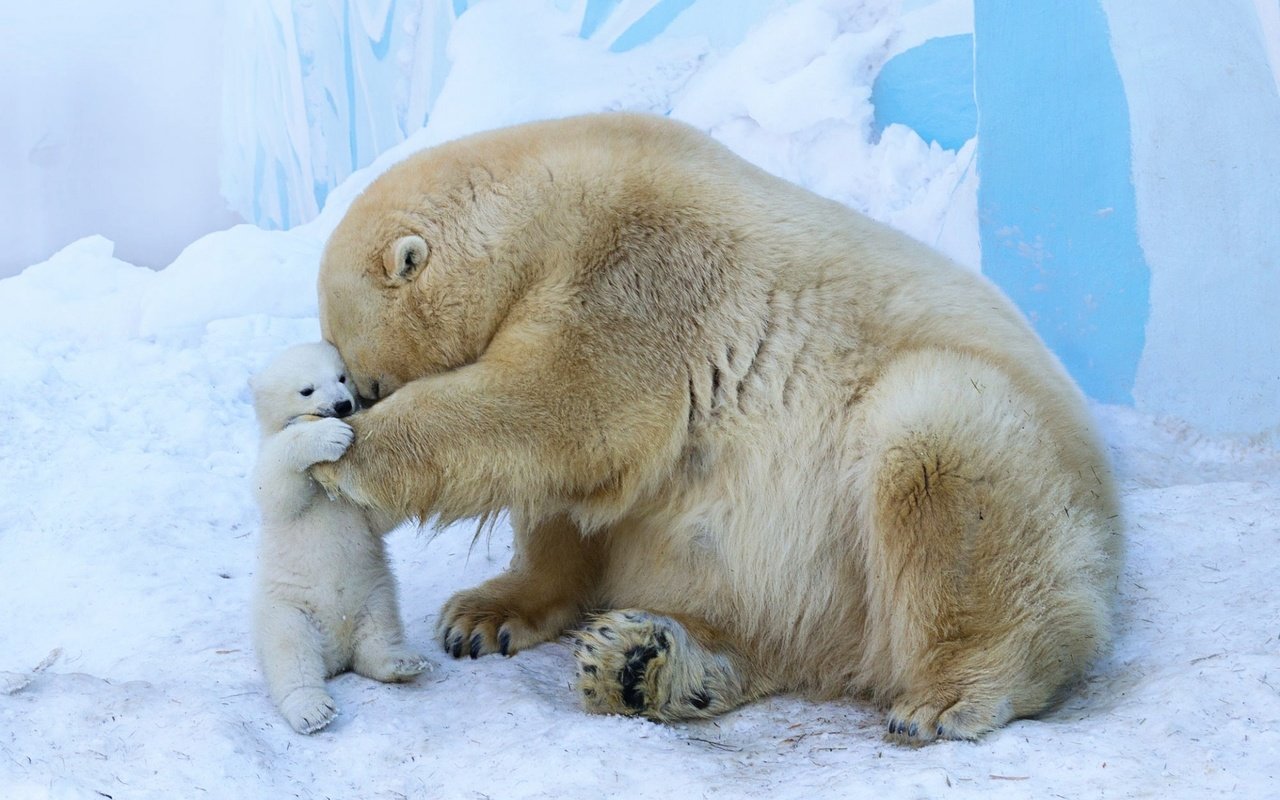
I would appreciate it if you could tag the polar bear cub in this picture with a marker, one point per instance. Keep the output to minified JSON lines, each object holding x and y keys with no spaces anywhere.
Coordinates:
{"x":325,"y":600}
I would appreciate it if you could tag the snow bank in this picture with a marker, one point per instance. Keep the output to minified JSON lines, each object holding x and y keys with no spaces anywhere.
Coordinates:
{"x":128,"y":537}
{"x":111,"y":120}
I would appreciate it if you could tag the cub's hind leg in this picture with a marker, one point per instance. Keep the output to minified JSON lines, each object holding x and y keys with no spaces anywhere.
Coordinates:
{"x":292,"y":657}
{"x":988,"y":562}
{"x":542,"y":593}
{"x":635,"y":662}
{"x":379,"y":650}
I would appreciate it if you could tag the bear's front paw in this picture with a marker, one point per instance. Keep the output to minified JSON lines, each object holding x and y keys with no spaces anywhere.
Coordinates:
{"x":505,"y":615}
{"x":923,"y":717}
{"x":338,"y":479}
{"x":308,"y":709}
{"x":329,"y":439}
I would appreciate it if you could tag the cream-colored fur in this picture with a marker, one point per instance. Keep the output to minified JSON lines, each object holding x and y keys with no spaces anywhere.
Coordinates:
{"x":325,"y":600}
{"x":767,"y":443}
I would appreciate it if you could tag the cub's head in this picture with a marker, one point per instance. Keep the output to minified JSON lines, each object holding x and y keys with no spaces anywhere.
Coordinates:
{"x":307,"y":379}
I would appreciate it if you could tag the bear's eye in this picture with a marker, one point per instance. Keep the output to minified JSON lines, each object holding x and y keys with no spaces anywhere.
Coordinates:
{"x":342,"y":379}
{"x":306,"y":392}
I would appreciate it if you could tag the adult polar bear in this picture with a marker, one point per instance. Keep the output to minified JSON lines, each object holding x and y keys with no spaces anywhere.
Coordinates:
{"x":774,"y":445}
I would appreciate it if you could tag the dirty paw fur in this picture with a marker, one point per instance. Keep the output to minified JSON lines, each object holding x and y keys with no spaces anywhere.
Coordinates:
{"x":641,"y":664}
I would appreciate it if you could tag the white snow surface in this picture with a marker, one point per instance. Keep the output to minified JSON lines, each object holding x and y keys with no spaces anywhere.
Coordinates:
{"x":127,"y":547}
{"x":128,"y":528}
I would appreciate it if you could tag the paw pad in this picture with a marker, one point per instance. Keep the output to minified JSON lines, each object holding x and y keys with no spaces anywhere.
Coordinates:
{"x":637,"y":663}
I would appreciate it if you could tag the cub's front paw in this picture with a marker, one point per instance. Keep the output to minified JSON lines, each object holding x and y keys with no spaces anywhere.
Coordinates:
{"x":329,"y":439}
{"x":308,"y":709}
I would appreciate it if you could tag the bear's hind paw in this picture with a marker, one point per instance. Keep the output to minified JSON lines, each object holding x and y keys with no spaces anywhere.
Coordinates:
{"x":637,"y":663}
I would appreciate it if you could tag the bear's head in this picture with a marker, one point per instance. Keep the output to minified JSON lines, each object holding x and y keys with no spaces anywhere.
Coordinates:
{"x":429,"y":262}
{"x":305,"y":380}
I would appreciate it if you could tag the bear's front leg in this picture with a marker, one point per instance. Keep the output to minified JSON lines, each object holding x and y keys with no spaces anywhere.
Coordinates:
{"x":540,"y":596}
{"x":490,"y":436}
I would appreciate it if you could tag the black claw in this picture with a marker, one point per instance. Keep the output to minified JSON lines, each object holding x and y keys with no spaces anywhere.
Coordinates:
{"x":939,"y":731}
{"x":893,"y":725}
{"x":913,"y":730}
{"x":476,"y":643}
{"x":455,"y":647}
{"x":444,"y":640}
{"x":504,"y":642}
{"x":700,"y":700}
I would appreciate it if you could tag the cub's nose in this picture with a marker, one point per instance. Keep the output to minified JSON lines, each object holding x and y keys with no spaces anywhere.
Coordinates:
{"x":342,"y":408}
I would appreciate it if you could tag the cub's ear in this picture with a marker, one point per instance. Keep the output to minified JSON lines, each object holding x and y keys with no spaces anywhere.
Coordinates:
{"x":405,"y":258}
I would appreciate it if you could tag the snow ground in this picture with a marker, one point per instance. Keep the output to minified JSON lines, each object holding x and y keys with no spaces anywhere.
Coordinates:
{"x":127,"y":541}
{"x":127,"y":527}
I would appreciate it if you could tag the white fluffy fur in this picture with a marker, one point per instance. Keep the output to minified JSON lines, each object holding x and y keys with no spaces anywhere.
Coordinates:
{"x":782,"y":447}
{"x":325,"y":598}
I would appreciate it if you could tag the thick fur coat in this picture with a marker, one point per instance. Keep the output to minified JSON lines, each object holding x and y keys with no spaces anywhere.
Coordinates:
{"x":751,"y":441}
{"x":325,"y":600}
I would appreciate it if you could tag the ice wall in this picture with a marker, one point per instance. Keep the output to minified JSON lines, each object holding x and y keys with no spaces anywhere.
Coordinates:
{"x":312,"y":96}
{"x":109,"y":125}
{"x":1127,"y":166}
{"x":1204,"y":103}
{"x":316,"y":90}
{"x":1057,"y":208}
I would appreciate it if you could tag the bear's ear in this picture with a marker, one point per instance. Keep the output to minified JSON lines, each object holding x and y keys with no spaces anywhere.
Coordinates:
{"x":405,"y":258}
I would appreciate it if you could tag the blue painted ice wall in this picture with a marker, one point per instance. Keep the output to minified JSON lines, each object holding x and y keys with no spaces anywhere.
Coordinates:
{"x":1203,"y":82}
{"x":929,"y":88}
{"x":316,"y":90}
{"x":1128,"y":160}
{"x":1057,"y":213}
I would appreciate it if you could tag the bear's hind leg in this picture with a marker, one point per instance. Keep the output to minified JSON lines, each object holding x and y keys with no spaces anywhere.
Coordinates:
{"x":986,"y":551}
{"x":634,"y":662}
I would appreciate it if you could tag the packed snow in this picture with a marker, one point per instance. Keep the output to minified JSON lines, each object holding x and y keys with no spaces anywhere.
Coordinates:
{"x":128,"y":528}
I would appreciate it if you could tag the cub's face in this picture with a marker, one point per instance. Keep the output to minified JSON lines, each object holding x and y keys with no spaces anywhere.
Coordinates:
{"x":307,"y":379}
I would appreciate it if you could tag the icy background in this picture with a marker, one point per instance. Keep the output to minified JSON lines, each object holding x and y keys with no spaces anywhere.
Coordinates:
{"x":127,"y":530}
{"x":790,"y":94}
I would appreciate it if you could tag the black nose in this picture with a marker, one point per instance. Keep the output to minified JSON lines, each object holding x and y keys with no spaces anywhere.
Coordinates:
{"x":342,"y":408}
